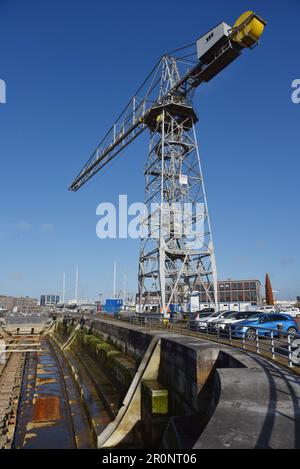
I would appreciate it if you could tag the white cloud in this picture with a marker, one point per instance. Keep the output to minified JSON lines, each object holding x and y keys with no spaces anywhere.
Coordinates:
{"x":46,"y":227}
{"x":22,"y":226}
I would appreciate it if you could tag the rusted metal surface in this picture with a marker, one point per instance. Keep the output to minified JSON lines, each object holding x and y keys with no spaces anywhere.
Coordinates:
{"x":46,"y":409}
{"x":50,"y":412}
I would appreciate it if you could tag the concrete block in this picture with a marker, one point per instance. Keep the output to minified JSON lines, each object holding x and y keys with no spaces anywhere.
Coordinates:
{"x":154,"y":398}
{"x":154,"y":412}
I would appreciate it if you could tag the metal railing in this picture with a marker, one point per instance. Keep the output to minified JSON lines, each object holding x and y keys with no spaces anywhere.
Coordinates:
{"x":275,"y":344}
{"x":278,"y":345}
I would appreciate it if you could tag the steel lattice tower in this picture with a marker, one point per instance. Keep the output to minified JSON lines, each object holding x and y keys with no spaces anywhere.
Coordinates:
{"x":174,"y":256}
{"x":177,"y":250}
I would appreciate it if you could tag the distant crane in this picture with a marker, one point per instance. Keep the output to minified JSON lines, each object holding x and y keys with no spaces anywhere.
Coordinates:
{"x":173,"y":262}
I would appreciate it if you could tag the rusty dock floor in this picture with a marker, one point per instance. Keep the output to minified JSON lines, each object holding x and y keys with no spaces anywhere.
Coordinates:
{"x":50,"y":414}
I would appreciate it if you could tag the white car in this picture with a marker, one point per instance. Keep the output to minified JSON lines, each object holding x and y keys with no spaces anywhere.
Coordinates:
{"x":292,"y":311}
{"x":267,"y":309}
{"x":234,"y":317}
{"x":202,"y":323}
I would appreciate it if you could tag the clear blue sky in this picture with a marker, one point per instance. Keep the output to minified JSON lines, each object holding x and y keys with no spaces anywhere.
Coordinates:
{"x":70,"y":67}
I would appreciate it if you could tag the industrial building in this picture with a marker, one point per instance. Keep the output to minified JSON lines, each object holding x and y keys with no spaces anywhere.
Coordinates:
{"x":232,"y":294}
{"x":233,"y":291}
{"x":48,"y":300}
{"x":237,"y":295}
{"x":229,"y":291}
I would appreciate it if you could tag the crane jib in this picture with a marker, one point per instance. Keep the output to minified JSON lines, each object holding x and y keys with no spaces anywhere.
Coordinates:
{"x":99,"y":163}
{"x":222,"y":56}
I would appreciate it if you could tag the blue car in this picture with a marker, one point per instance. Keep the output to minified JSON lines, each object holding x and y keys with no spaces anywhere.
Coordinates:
{"x":262,"y":323}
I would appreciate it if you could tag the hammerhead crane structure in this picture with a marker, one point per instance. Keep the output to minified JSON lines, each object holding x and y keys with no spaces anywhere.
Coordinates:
{"x":177,"y":250}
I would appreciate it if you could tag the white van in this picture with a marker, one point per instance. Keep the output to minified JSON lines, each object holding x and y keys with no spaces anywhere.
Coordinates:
{"x":267,"y":309}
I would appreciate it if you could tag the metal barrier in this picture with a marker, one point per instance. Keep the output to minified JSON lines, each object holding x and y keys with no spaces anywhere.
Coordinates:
{"x":283,"y":347}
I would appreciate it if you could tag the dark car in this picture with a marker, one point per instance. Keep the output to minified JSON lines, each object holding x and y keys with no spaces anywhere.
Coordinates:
{"x":263,"y":324}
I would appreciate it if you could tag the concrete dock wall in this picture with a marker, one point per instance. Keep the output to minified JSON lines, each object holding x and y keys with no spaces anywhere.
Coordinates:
{"x":218,"y":396}
{"x":130,"y":340}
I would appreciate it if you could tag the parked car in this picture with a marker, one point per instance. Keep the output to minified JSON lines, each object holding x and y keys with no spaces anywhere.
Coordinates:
{"x":207,"y":310}
{"x":262,"y":325}
{"x":202,"y":323}
{"x":291,"y":310}
{"x":233,"y":318}
{"x":195,"y":318}
{"x":267,"y":309}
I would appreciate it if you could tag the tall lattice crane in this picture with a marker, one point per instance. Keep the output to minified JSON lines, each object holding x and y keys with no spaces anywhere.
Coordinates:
{"x":173,"y":261}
